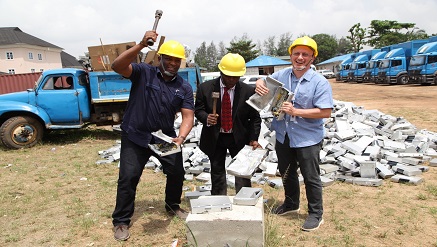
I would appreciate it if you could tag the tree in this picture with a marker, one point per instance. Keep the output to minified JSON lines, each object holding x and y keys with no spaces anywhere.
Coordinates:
{"x":200,"y":57}
{"x":327,"y":46}
{"x":384,"y":32}
{"x":244,"y":47}
{"x":270,"y":46}
{"x":357,"y":37}
{"x":211,"y":57}
{"x":221,"y":50}
{"x":344,"y":46}
{"x":283,"y":44}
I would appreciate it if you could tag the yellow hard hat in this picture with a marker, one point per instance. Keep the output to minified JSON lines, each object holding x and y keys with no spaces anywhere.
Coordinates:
{"x":232,"y":64}
{"x":306,"y":41}
{"x":172,"y":48}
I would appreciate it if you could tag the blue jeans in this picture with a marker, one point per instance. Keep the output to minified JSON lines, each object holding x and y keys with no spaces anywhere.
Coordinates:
{"x":307,"y":158}
{"x":132,"y":160}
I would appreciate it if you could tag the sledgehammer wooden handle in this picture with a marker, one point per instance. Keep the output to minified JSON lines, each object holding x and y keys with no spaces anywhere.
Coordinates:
{"x":215,"y":96}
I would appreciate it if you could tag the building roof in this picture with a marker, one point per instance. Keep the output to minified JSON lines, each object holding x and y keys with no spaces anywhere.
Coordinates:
{"x":264,"y":60}
{"x":13,"y":35}
{"x":335,"y":59}
{"x":69,"y":61}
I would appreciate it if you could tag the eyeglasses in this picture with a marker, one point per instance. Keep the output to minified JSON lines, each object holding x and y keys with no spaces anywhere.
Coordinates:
{"x":303,"y":54}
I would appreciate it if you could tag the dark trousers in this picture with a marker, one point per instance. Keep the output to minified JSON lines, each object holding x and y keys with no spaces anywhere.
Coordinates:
{"x":218,"y":172}
{"x":132,"y":160}
{"x":307,"y":158}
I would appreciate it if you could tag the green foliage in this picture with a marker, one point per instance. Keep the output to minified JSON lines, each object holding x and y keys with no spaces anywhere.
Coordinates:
{"x":283,"y":44}
{"x":269,"y":46}
{"x":244,"y":47}
{"x":357,"y":37}
{"x":384,"y":32}
{"x":327,"y":46}
{"x":201,"y":57}
{"x":344,"y":46}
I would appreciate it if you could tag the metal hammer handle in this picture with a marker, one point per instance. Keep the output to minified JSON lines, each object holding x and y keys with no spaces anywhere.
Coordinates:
{"x":158,"y":15}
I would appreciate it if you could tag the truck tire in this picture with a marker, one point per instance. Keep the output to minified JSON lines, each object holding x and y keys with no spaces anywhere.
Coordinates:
{"x":21,"y":132}
{"x":402,"y":80}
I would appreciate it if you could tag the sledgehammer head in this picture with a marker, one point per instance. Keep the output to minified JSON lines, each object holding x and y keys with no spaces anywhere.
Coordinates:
{"x":158,"y":15}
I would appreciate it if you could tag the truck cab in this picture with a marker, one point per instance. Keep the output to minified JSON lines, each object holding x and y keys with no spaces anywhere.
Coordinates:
{"x":423,"y":65}
{"x":394,"y":67}
{"x":372,"y":66}
{"x":343,"y":69}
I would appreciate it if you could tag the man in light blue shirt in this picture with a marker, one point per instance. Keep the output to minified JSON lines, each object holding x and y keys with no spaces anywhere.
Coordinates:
{"x":299,"y":135}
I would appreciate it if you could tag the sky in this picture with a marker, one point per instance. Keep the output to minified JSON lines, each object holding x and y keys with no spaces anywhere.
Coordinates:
{"x":76,"y":25}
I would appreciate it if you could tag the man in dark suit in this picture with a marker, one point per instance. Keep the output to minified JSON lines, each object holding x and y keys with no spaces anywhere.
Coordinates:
{"x":219,"y":133}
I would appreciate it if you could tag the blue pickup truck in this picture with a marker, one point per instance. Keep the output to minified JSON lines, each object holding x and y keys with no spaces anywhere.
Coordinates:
{"x":67,"y":99}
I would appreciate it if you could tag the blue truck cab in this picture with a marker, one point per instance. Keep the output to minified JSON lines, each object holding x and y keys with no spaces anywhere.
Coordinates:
{"x":394,"y":67}
{"x":358,"y":65}
{"x":371,"y":74}
{"x":67,"y":99}
{"x":343,"y":69}
{"x":423,"y":65}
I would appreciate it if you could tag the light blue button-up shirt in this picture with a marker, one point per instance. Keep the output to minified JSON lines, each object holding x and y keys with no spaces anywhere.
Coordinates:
{"x":314,"y":91}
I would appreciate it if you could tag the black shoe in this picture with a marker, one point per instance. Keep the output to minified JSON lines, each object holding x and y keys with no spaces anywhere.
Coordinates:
{"x":180,"y":213}
{"x":121,"y":232}
{"x":312,"y":223}
{"x":284,"y":210}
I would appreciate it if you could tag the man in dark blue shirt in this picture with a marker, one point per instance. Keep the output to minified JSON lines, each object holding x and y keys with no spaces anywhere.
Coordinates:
{"x":156,"y":95}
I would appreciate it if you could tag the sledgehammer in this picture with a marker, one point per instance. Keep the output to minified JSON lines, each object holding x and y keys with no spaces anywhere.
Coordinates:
{"x":215,"y":96}
{"x":158,"y":15}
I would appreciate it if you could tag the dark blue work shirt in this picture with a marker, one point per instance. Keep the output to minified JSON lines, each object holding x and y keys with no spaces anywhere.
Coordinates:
{"x":153,"y":104}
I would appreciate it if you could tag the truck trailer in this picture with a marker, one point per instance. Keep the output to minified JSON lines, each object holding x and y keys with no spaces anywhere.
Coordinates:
{"x":394,"y":67}
{"x":67,"y":99}
{"x":423,"y":65}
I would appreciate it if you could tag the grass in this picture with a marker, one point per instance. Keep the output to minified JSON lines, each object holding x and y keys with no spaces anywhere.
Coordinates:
{"x":55,"y":195}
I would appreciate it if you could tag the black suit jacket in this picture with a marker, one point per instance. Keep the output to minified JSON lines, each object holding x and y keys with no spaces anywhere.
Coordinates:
{"x":246,"y":122}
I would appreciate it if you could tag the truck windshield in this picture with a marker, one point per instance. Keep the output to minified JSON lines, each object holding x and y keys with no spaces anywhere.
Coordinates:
{"x":384,"y":64}
{"x":417,"y":60}
{"x":37,"y":82}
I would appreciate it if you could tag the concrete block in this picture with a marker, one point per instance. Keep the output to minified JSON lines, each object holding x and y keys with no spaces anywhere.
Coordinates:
{"x":411,"y":161}
{"x":384,"y":171}
{"x":368,"y":169}
{"x":373,"y":182}
{"x":393,"y":145}
{"x":398,"y":178}
{"x":406,"y":170}
{"x":328,"y":168}
{"x":196,"y":194}
{"x":326,"y":181}
{"x":433,"y":162}
{"x":248,"y":196}
{"x":241,"y":226}
{"x":207,"y":204}
{"x":271,"y":168}
{"x":345,"y":134}
{"x":372,"y":151}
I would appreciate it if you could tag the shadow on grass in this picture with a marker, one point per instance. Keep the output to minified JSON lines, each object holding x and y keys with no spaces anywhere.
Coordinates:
{"x":63,"y":137}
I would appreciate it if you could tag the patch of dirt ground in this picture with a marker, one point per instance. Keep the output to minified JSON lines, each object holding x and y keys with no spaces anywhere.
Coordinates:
{"x":416,"y":103}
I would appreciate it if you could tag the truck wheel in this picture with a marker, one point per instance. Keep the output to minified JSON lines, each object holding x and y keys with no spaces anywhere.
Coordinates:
{"x":21,"y":132}
{"x":402,"y":80}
